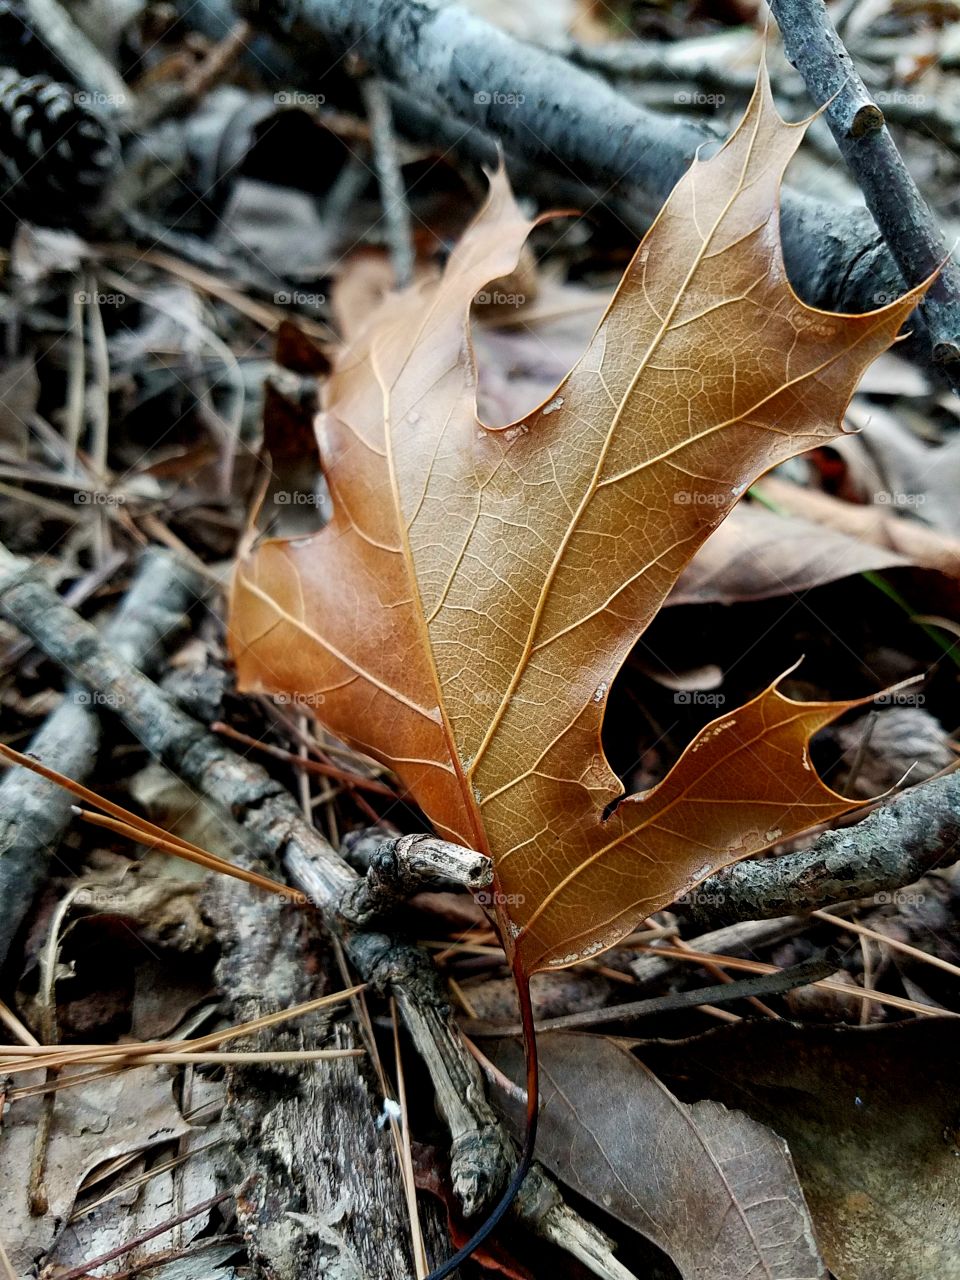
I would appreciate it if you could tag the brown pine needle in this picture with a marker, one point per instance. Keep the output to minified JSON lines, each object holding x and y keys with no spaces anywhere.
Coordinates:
{"x":876,"y":936}
{"x":721,"y":975}
{"x":190,"y":853}
{"x":31,"y":1057}
{"x":156,"y":836}
{"x":15,"y":1026}
{"x":7,"y":1265}
{"x":232,"y":1058}
{"x":346,"y":776}
{"x":82,"y":1272}
{"x":493,"y":1072}
{"x":826,"y":984}
{"x":406,"y":1157}
{"x":142,"y":1178}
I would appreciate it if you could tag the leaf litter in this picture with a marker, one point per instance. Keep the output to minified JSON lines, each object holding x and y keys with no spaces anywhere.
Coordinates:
{"x":190,"y":348}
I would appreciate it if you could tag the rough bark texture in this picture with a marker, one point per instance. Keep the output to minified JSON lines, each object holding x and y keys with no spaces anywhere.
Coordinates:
{"x":272,"y":830}
{"x":896,"y":845}
{"x":860,"y":131}
{"x":278,"y":833}
{"x":34,"y":813}
{"x":321,"y":1192}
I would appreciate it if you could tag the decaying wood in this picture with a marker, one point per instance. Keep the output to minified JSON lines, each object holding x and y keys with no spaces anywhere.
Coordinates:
{"x":320,"y":1187}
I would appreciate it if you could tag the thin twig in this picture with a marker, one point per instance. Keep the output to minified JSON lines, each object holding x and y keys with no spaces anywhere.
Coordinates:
{"x":396,"y":213}
{"x":858,"y":126}
{"x":826,"y":984}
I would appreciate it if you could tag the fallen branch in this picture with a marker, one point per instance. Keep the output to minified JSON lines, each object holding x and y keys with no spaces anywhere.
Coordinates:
{"x":545,"y":109}
{"x":798,"y":975}
{"x":272,"y":828}
{"x":861,"y":133}
{"x":400,"y":868}
{"x":34,"y":813}
{"x":105,"y":90}
{"x":896,"y":845}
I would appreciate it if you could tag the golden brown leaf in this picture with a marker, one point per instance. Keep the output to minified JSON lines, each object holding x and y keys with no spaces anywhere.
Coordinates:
{"x":464,"y":615}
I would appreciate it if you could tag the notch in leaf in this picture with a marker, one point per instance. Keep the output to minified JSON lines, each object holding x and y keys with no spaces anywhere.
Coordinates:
{"x":467,"y":609}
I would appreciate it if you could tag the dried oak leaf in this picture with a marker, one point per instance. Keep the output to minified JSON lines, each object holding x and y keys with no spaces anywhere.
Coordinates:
{"x":715,"y":1189}
{"x":464,"y":614}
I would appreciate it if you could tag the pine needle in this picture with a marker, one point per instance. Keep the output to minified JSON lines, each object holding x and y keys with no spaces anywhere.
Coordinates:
{"x":35,"y":1057}
{"x":894,"y":943}
{"x":825,"y":984}
{"x":143,"y":832}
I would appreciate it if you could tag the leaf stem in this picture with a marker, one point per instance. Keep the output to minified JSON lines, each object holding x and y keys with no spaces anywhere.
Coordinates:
{"x":522,"y":981}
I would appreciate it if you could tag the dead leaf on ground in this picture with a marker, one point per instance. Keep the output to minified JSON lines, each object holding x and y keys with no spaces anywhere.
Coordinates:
{"x":757,"y":555}
{"x":464,"y":614}
{"x":91,"y":1124}
{"x":901,"y":741}
{"x":713,"y":1188}
{"x":888,"y":466}
{"x":871,"y":1115}
{"x":920,"y":545}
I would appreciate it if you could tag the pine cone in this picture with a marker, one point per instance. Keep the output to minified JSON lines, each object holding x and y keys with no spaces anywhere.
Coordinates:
{"x":56,"y":154}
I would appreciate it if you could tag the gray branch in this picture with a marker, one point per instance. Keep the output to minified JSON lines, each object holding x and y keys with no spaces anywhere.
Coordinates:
{"x":35,"y":813}
{"x":861,"y":133}
{"x":894,"y":846}
{"x":400,"y":868}
{"x":557,"y":116}
{"x":272,"y":819}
